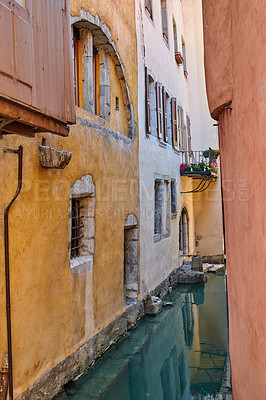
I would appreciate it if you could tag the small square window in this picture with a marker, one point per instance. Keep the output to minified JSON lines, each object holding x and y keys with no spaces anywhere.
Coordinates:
{"x":173,"y":197}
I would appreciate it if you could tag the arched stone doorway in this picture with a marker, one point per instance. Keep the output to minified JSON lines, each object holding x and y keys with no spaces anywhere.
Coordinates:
{"x":184,"y":232}
{"x":131,"y":259}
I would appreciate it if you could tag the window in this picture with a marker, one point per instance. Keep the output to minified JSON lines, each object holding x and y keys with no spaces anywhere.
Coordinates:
{"x":189,"y":133}
{"x":167,"y":208}
{"x":91,"y":74}
{"x":164,"y":20}
{"x":150,"y":98}
{"x":169,"y":123}
{"x":148,"y":8}
{"x":96,"y":82}
{"x":181,"y":129}
{"x":81,"y":224}
{"x":184,"y":57}
{"x":174,"y":121}
{"x":158,"y":215}
{"x":162,"y":210}
{"x":78,"y":84}
{"x":147,"y":102}
{"x":175,"y":37}
{"x":159,"y":109}
{"x":173,"y":196}
{"x":76,"y":228}
{"x":184,"y":232}
{"x":166,"y":104}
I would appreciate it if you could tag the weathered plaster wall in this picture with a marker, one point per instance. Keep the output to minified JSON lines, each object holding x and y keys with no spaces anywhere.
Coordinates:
{"x":158,"y":259}
{"x":243,"y":158}
{"x":54,"y":312}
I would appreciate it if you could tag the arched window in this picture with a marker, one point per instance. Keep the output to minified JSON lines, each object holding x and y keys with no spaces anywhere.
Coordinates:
{"x":164,"y":20}
{"x":184,"y":232}
{"x":96,"y":60}
{"x":91,"y":73}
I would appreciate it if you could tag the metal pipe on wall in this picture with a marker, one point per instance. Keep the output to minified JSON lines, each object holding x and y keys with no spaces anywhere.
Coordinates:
{"x":18,"y":151}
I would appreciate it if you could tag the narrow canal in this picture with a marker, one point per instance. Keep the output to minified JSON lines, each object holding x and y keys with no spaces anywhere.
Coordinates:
{"x":180,"y":354}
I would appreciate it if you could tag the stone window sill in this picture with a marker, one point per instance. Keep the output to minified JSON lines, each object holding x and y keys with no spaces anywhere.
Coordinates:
{"x":162,"y":144}
{"x":160,"y":236}
{"x":81,"y":264}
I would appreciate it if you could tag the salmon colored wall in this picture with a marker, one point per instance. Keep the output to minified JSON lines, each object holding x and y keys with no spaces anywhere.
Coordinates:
{"x":219,"y":47}
{"x":243,"y":145}
{"x":53,"y":311}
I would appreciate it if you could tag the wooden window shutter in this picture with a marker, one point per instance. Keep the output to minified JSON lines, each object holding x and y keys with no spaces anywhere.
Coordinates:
{"x":164,"y":115}
{"x":174,"y":121}
{"x":159,"y":110}
{"x":189,"y":133}
{"x":180,"y":127}
{"x":78,"y":68}
{"x":147,"y":102}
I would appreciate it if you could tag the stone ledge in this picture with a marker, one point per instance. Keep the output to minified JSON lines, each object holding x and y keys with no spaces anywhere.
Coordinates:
{"x":176,"y":277}
{"x":81,"y":264}
{"x":53,"y":158}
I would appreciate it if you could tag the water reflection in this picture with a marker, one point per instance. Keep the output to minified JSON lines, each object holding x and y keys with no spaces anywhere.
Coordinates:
{"x":178,"y":355}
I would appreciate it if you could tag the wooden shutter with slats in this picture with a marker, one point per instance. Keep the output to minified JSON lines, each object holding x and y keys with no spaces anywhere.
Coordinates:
{"x":174,"y":121}
{"x":147,"y":102}
{"x":180,"y":127}
{"x":159,"y":110}
{"x":164,"y":115}
{"x":189,"y":133}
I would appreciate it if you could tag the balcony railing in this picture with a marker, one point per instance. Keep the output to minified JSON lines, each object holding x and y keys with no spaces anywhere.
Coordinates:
{"x":199,"y":163}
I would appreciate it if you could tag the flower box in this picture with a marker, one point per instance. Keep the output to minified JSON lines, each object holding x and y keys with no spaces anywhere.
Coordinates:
{"x":186,"y":73}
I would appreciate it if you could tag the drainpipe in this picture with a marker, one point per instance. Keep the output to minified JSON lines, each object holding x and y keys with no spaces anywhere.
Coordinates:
{"x":19,"y":152}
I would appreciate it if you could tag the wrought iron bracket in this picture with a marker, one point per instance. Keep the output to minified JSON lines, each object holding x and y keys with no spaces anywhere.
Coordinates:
{"x":203,"y":185}
{"x":4,"y":122}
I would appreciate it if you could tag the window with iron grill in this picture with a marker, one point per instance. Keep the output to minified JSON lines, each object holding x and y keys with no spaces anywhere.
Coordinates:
{"x":76,"y":228}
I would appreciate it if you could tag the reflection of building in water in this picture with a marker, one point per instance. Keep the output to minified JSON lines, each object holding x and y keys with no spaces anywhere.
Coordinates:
{"x":173,"y":376}
{"x":206,"y":339}
{"x":188,"y":319}
{"x":151,"y":363}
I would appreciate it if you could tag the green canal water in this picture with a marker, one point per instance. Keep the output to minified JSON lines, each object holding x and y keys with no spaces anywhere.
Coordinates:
{"x":180,"y":354}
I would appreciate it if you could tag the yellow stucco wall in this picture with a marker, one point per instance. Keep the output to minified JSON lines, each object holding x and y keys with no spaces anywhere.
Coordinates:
{"x":208,"y":219}
{"x":53,"y":311}
{"x":205,"y":217}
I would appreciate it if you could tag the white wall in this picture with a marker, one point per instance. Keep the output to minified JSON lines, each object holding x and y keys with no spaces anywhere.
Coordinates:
{"x":159,"y":259}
